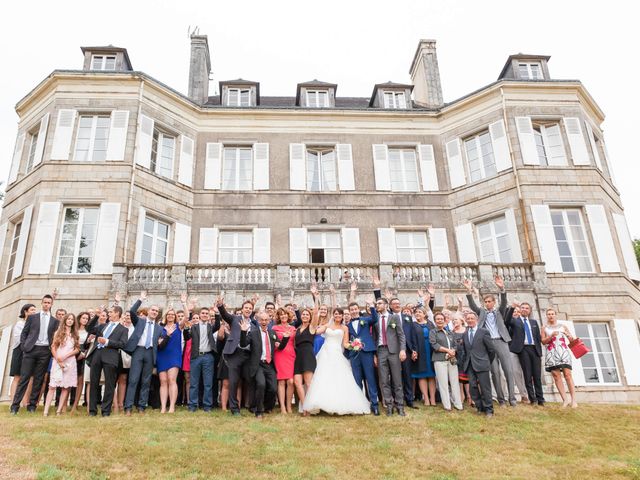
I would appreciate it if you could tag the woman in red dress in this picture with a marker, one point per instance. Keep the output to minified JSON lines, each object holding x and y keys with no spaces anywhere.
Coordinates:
{"x":284,"y":359}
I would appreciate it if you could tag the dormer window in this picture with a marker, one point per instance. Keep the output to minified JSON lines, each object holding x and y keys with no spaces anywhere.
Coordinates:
{"x":394,"y":100}
{"x":530,"y":71}
{"x":239,"y":97}
{"x":103,"y":62}
{"x":239,"y":93}
{"x":317,"y":98}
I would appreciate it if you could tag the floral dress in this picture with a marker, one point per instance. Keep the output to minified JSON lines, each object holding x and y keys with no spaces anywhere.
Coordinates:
{"x":558,"y":354}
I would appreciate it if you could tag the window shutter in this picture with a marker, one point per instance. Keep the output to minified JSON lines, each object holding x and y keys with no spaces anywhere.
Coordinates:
{"x":5,"y":344}
{"x":261,"y":245}
{"x":594,"y":146}
{"x":144,"y":141}
{"x":17,"y":157}
{"x":208,"y":246}
{"x":381,"y":167}
{"x":629,"y":344}
{"x":514,"y":238}
{"x":387,"y":245}
{"x":118,"y":135}
{"x":402,"y":101}
{"x":577,"y":145}
{"x":456,"y":167}
{"x":107,"y":238}
{"x":213,"y":167}
{"x":63,"y":135}
{"x":527,"y":140}
{"x":181,"y":243}
{"x":142,"y":214}
{"x":261,"y":166}
{"x":428,"y":168}
{"x":22,"y":242}
{"x":297,"y":166}
{"x":44,"y":238}
{"x":602,"y":239}
{"x":3,"y":236}
{"x":185,"y":167}
{"x":626,"y":245}
{"x":345,"y":166}
{"x":439,"y":245}
{"x":466,"y":244}
{"x":546,"y":238}
{"x":351,"y":245}
{"x":42,"y":138}
{"x":298,"y":251}
{"x":576,"y":363}
{"x":556,"y":155}
{"x":500,"y":145}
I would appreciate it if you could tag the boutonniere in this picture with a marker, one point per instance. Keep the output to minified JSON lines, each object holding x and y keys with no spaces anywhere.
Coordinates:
{"x":274,"y":336}
{"x":362,"y":322}
{"x":392,"y":324}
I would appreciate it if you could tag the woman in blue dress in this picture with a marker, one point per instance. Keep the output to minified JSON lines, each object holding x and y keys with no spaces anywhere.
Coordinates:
{"x":169,"y":361}
{"x":421,"y":364}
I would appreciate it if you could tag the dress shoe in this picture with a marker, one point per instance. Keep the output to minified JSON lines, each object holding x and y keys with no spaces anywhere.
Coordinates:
{"x":93,"y":414}
{"x":513,"y":403}
{"x":411,"y":405}
{"x":207,"y":410}
{"x":401,"y":411}
{"x":192,"y":410}
{"x":489,"y":414}
{"x":375,"y":410}
{"x":541,"y":404}
{"x":259,"y":416}
{"x":235,"y":413}
{"x":105,"y":414}
{"x":14,"y":411}
{"x":389,"y":410}
{"x":31,"y":409}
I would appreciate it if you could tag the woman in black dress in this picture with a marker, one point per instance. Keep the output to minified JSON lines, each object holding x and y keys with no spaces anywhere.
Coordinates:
{"x":305,"y":363}
{"x":16,"y":351}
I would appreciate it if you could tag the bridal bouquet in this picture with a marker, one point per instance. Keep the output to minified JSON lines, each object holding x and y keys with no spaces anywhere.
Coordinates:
{"x":356,"y":345}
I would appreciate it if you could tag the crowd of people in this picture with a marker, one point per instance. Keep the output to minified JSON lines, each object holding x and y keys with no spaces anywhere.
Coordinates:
{"x":349,"y":359}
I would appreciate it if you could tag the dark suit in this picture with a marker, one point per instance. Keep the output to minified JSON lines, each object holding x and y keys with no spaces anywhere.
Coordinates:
{"x":362,"y":364}
{"x":389,"y":365}
{"x":478,"y":356}
{"x":202,"y":365}
{"x":528,"y":355}
{"x":35,"y":359}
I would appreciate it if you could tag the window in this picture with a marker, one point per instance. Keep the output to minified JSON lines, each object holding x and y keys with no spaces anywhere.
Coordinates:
{"x":549,"y":144}
{"x":403,"y":169}
{"x":235,"y":247}
{"x":599,"y":365}
{"x":324,"y":247}
{"x":92,"y":138}
{"x":571,"y":240}
{"x":237,"y":168}
{"x":78,"y":239}
{"x":412,"y":247}
{"x":163,"y":149}
{"x":493,"y":238}
{"x":103,"y":62}
{"x":530,"y":71}
{"x":155,"y":241}
{"x":321,"y":170}
{"x":237,"y":97}
{"x":13,"y":252}
{"x":394,"y":100}
{"x":480,"y":158}
{"x":33,"y":143}
{"x":317,"y":98}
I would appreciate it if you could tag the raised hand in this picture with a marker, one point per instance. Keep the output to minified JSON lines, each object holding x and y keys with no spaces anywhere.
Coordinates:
{"x":55,"y":293}
{"x":244,"y":325}
{"x":143,"y":295}
{"x":278,"y":301}
{"x":432,"y":290}
{"x":376,"y":281}
{"x":219,"y":301}
{"x":255,"y":298}
{"x":499,"y":282}
{"x":117,"y":298}
{"x":371,"y":300}
{"x":314,"y":290}
{"x":354,"y":286}
{"x":468,"y":284}
{"x":447,"y":300}
{"x":184,"y":298}
{"x":420,"y":293}
{"x":388,"y":293}
{"x":332,"y":289}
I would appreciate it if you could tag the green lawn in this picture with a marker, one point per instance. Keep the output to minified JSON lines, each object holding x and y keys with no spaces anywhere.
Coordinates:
{"x":600,"y":441}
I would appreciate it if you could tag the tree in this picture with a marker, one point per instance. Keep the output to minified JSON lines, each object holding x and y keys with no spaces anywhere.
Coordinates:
{"x":636,"y":247}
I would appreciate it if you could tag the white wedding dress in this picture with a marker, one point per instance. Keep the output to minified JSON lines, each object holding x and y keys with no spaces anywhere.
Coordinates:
{"x":333,"y":388}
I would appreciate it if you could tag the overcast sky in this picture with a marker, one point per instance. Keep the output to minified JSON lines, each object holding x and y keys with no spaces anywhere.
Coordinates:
{"x":354,"y":44}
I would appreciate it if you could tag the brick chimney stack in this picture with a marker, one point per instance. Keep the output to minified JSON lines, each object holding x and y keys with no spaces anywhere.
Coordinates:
{"x":425,"y":75}
{"x":199,"y":69}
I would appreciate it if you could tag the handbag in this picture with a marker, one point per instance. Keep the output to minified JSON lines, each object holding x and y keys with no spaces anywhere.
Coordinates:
{"x":578,"y":348}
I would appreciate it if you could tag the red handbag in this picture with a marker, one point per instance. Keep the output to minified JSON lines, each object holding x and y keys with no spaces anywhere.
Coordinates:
{"x":578,"y":348}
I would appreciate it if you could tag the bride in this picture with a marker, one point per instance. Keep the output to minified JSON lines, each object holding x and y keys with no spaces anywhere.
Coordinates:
{"x":333,"y":388}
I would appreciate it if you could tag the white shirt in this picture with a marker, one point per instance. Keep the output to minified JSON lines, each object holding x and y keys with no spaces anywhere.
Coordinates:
{"x":356,"y":324}
{"x":143,"y":338}
{"x":44,"y":325}
{"x":525,"y":321}
{"x":205,"y":344}
{"x":16,"y":332}
{"x":384,"y":315}
{"x":264,"y":337}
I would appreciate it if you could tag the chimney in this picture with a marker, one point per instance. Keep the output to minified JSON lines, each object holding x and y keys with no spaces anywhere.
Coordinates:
{"x":199,"y":69}
{"x":425,"y":75}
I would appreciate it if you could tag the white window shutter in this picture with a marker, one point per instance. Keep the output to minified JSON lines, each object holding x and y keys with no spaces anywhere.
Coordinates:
{"x":208,"y":246}
{"x":351,"y":245}
{"x":594,"y":146}
{"x":381,"y":167}
{"x":261,"y":166}
{"x":345,"y":166}
{"x":514,"y":238}
{"x":546,"y":238}
{"x":576,"y":363}
{"x":181,"y":243}
{"x":17,"y":157}
{"x":44,"y":238}
{"x":261,"y":245}
{"x":456,"y":167}
{"x":213,"y":167}
{"x":5,"y":345}
{"x":107,"y":238}
{"x":439,"y":245}
{"x":144,"y":141}
{"x":500,"y":145}
{"x":556,"y":156}
{"x":42,"y":139}
{"x":297,"y":166}
{"x":118,"y":135}
{"x":629,"y":343}
{"x":578,"y":147}
{"x":3,"y":236}
{"x":63,"y":135}
{"x":428,"y":172}
{"x":142,"y":214}
{"x":528,"y":149}
{"x":185,"y":166}
{"x":22,"y":242}
{"x":298,"y":251}
{"x":387,"y":245}
{"x":465,"y":240}
{"x":626,"y":245}
{"x":602,"y":239}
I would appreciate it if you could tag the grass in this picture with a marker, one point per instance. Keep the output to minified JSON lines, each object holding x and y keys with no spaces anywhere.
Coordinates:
{"x":594,"y":441}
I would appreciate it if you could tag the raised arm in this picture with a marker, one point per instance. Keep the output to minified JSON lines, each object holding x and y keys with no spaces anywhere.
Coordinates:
{"x":472,"y":303}
{"x":226,"y":316}
{"x":376,"y":287}
{"x":134,"y":308}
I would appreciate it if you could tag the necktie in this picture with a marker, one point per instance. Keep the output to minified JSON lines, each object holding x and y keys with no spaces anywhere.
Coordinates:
{"x":471,"y":333}
{"x":147,"y":342}
{"x":527,"y":331}
{"x":267,"y":346}
{"x":107,"y":332}
{"x":383,"y":329}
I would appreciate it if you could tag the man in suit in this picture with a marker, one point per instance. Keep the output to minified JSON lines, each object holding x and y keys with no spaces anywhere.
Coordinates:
{"x":492,"y":319}
{"x":479,"y":350}
{"x":143,"y":348}
{"x":527,"y":344}
{"x":35,"y":341}
{"x":261,"y":369}
{"x":392,"y":347}
{"x":104,"y":356}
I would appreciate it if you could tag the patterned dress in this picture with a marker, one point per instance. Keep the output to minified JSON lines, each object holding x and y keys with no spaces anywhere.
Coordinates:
{"x":558,"y":354}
